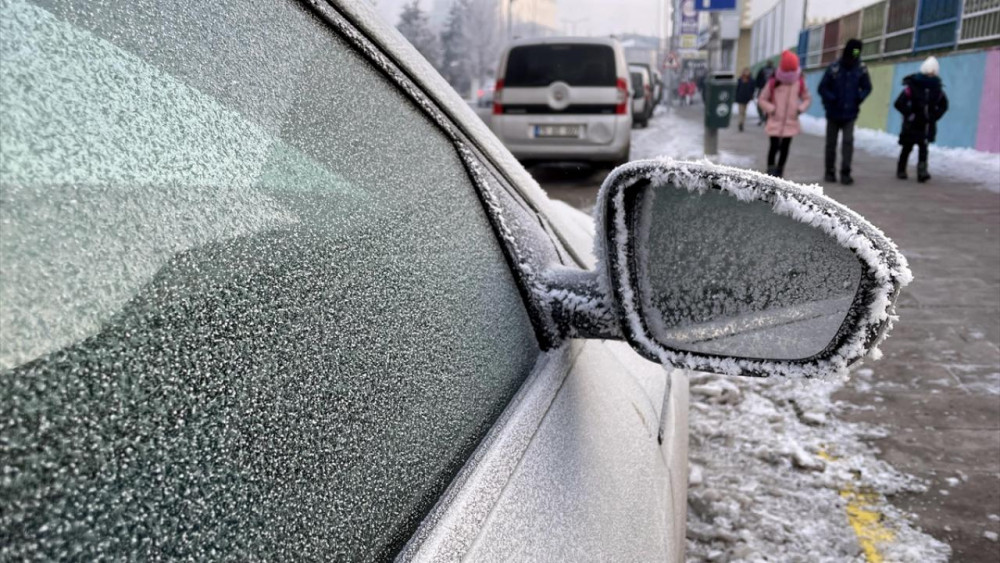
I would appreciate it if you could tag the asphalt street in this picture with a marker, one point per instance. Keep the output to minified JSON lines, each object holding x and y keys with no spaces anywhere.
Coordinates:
{"x":937,"y":390}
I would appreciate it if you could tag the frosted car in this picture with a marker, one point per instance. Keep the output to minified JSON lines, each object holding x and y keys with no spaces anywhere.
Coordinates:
{"x":564,"y":99}
{"x":250,"y":314}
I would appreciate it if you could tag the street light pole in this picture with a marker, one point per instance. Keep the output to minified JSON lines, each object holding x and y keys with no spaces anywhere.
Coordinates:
{"x":510,"y":19}
{"x":714,"y":48}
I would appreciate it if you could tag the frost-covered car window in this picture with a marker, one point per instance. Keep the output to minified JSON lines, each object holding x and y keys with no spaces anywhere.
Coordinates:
{"x":251,"y":305}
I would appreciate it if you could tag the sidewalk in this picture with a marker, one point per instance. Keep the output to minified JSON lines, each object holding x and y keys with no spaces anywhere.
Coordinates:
{"x":937,"y":390}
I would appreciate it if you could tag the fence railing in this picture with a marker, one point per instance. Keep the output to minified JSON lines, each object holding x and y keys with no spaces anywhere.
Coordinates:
{"x":898,"y":27}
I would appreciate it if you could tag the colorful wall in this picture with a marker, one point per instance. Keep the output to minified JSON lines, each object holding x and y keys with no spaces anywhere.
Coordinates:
{"x":972,"y":82}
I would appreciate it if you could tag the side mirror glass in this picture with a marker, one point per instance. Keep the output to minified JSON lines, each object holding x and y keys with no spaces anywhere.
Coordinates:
{"x":725,"y":270}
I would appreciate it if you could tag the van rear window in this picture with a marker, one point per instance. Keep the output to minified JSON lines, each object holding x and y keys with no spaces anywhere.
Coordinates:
{"x":574,"y":64}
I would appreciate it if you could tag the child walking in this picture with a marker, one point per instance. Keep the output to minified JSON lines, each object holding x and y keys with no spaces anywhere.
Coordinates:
{"x":922,"y":103}
{"x":783,"y":98}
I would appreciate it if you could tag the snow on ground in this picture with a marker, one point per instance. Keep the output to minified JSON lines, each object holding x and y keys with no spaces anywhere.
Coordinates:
{"x":681,"y":139}
{"x":775,"y":473}
{"x":964,"y":165}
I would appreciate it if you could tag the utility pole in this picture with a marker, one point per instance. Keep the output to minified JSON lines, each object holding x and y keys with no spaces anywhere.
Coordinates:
{"x":510,"y":19}
{"x":714,"y":51}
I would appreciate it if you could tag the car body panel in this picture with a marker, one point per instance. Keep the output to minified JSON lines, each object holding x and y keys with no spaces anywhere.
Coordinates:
{"x":564,"y":476}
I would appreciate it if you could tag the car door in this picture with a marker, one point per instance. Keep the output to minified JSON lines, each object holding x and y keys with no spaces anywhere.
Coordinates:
{"x":254,"y":302}
{"x":253,"y":306}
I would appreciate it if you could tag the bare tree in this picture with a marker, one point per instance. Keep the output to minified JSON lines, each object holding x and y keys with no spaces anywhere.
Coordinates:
{"x":455,"y":61}
{"x":484,"y":39}
{"x":415,"y":27}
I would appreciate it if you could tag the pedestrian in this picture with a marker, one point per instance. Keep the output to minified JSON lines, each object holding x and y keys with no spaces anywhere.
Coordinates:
{"x":689,"y":89}
{"x":784,"y":97}
{"x":763,"y":75}
{"x":745,"y":89}
{"x":844,"y":86}
{"x":922,"y":103}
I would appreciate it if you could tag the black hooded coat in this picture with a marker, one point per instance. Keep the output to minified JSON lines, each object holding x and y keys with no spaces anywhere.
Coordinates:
{"x":922,"y":103}
{"x":845,"y":85}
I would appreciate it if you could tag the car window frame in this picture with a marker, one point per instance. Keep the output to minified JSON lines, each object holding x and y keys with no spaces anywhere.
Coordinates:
{"x":479,"y":166}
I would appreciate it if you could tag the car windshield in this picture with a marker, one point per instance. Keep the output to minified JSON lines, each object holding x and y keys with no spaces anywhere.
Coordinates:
{"x":576,"y":65}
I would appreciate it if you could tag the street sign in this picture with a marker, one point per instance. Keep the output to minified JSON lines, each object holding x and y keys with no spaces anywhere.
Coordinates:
{"x":714,"y":5}
{"x":689,"y":26}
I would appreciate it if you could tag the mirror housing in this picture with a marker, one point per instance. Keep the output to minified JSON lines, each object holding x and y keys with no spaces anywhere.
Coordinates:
{"x":624,"y":217}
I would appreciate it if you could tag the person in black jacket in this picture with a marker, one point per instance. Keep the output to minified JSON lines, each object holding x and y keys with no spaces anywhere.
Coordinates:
{"x":922,"y":103}
{"x":745,"y":88}
{"x":763,"y":75}
{"x":844,"y":86}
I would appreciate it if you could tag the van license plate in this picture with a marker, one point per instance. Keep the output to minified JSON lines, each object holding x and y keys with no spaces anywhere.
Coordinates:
{"x":569,"y":131}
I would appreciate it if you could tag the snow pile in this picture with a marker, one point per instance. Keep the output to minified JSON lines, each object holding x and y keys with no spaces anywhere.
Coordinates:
{"x":773,"y":471}
{"x":680,"y":139}
{"x":964,"y":165}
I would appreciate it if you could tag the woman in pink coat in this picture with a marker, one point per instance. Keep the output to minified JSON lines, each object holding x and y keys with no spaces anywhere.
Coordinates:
{"x":783,"y":98}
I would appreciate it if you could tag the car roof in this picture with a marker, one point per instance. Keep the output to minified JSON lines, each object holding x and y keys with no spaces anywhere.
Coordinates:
{"x":564,"y":40}
{"x":642,"y":69}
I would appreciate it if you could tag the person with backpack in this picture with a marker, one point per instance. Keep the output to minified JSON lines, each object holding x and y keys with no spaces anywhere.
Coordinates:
{"x":843,"y":88}
{"x":784,"y":97}
{"x":763,"y":75}
{"x":745,"y":88}
{"x":922,"y":103}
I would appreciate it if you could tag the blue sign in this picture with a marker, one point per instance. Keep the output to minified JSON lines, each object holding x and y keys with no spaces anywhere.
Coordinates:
{"x":714,"y":5}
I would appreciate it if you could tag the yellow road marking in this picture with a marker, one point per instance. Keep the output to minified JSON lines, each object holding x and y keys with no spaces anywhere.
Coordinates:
{"x":865,"y":518}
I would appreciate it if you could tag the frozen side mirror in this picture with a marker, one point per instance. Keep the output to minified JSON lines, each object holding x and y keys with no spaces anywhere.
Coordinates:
{"x":718,"y":269}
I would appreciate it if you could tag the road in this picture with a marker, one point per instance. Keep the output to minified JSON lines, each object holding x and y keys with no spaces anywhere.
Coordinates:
{"x":937,"y":390}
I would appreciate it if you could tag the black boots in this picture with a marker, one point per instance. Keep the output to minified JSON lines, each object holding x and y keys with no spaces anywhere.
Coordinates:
{"x":901,"y":170}
{"x":829,"y":176}
{"x":922,"y":174}
{"x":774,"y":171}
{"x":845,"y":178}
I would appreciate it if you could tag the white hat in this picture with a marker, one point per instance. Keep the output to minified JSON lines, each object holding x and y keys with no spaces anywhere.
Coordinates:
{"x":930,"y":67}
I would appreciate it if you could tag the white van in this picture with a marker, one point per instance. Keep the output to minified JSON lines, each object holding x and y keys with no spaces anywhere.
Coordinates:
{"x":564,"y":99}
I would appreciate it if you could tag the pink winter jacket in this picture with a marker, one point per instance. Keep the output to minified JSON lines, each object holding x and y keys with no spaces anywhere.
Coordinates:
{"x":784,"y":106}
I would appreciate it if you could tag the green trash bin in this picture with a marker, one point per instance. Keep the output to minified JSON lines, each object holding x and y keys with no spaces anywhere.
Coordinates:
{"x":720,"y":94}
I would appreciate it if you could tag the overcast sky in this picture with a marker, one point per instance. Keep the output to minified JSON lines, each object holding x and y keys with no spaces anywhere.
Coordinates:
{"x":603,"y":17}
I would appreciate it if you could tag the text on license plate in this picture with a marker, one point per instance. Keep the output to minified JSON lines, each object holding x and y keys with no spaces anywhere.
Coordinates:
{"x":572,"y":131}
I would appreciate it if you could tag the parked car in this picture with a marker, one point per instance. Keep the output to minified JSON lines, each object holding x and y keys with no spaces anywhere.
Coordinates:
{"x":564,"y":99}
{"x":642,"y":96}
{"x":249,"y":314}
{"x":655,"y":82}
{"x":484,"y":97}
{"x":657,"y":87}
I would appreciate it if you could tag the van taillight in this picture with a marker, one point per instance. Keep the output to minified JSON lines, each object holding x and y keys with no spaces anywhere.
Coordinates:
{"x":497,"y":93}
{"x":622,"y":107}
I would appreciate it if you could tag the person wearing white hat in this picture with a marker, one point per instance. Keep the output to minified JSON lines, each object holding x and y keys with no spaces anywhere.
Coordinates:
{"x":922,"y":103}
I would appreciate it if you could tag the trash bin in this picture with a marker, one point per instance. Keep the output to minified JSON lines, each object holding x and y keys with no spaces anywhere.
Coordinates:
{"x":720,"y":93}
